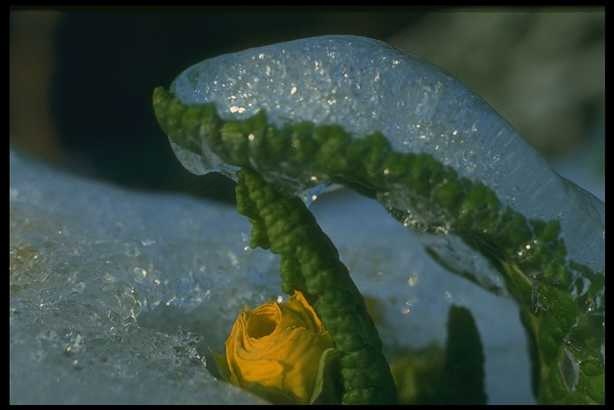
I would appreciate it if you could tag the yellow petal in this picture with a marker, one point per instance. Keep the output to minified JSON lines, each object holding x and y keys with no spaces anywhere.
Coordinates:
{"x":277,"y":347}
{"x":298,"y":303}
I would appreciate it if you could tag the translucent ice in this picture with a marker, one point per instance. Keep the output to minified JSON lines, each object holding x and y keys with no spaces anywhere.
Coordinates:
{"x":120,"y":297}
{"x":365,"y":85}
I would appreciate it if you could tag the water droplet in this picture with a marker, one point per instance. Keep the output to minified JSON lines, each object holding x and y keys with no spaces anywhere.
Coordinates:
{"x":140,"y":272}
{"x":75,"y":344}
{"x":207,"y":294}
{"x":412,"y":280}
{"x":293,"y":91}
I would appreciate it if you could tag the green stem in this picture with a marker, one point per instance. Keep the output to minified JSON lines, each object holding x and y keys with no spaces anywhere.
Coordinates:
{"x":310,"y":263}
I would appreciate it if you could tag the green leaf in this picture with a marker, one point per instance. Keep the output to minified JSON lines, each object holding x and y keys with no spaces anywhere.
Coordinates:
{"x":530,"y":254}
{"x":417,"y":373}
{"x":310,"y":263}
{"x":326,"y":388}
{"x":221,"y":366}
{"x":463,"y":374}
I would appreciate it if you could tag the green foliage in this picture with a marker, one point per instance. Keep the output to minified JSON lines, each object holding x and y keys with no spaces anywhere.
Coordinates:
{"x":463,"y":374}
{"x":418,"y":374}
{"x":327,"y":389}
{"x":452,"y":376}
{"x":310,"y":263}
{"x":529,"y":253}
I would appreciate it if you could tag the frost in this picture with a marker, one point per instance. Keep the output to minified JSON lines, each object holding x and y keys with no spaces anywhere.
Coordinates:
{"x":88,"y":318}
{"x":415,"y":105}
{"x":366,"y":86}
{"x":126,"y":337}
{"x":121,"y":297}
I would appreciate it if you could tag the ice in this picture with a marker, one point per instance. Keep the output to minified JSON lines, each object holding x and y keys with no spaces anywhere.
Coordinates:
{"x":123,"y":297}
{"x":365,"y":85}
{"x":120,"y":297}
{"x":117,"y":297}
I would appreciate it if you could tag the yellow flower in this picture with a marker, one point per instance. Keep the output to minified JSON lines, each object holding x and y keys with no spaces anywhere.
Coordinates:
{"x":275,"y":350}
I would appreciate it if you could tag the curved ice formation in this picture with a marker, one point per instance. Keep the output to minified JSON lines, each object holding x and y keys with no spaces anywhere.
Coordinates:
{"x":364,"y":87}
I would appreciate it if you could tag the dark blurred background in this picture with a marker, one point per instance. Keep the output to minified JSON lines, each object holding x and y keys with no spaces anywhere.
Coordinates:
{"x":81,"y":79}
